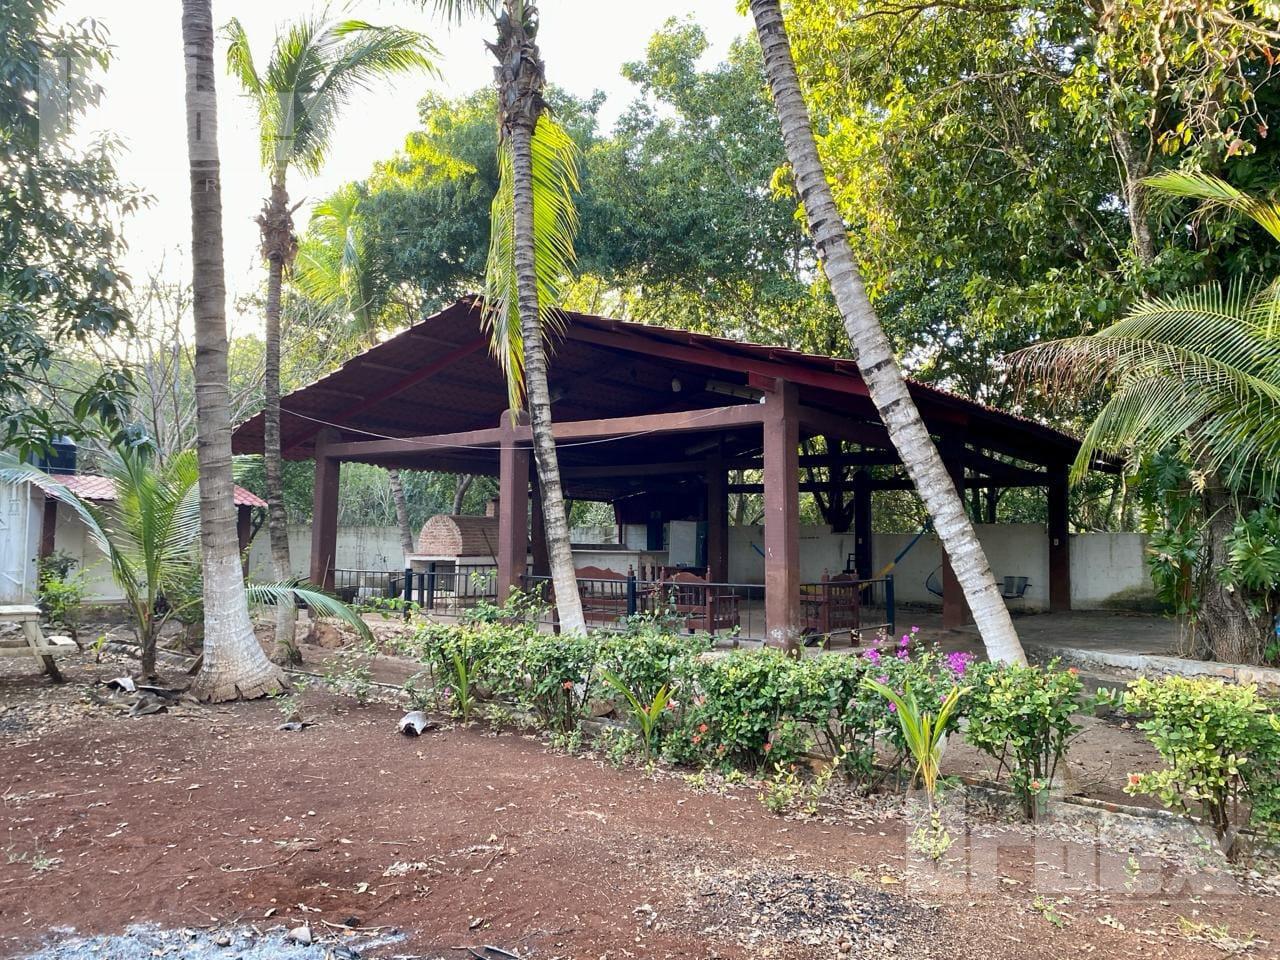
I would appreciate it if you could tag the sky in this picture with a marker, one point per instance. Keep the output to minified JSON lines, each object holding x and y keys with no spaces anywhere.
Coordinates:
{"x":584,"y":44}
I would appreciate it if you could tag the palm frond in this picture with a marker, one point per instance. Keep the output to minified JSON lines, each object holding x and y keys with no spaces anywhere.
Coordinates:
{"x":314,"y":68}
{"x":291,"y":593}
{"x":455,"y":11}
{"x":555,"y":226}
{"x":1216,"y":193}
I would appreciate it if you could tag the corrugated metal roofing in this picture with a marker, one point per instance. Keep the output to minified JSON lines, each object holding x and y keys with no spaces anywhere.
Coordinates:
{"x":437,"y":377}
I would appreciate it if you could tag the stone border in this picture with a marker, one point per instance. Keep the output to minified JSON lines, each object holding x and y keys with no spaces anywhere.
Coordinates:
{"x":1136,"y":664}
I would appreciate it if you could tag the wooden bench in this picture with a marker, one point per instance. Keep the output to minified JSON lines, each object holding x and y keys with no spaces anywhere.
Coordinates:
{"x":34,"y":643}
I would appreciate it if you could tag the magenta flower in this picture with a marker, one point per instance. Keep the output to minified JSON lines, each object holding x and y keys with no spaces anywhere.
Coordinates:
{"x":873,"y":656}
{"x":958,"y":662}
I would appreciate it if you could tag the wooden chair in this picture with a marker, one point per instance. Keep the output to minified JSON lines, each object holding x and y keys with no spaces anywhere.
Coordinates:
{"x":704,"y":607}
{"x":604,"y":594}
{"x":832,"y":606}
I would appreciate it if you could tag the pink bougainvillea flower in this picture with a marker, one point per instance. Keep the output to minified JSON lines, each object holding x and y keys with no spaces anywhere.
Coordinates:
{"x":873,"y":656}
{"x":893,"y":707}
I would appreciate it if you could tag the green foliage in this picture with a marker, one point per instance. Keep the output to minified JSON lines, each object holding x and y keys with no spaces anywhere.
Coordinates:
{"x":60,"y":246}
{"x":350,"y":670}
{"x":60,"y":592}
{"x":554,"y":186}
{"x":740,"y":701}
{"x":647,"y":715}
{"x":617,"y":744}
{"x":1221,"y":747}
{"x":1023,"y":717}
{"x":314,"y":69}
{"x":922,"y":729}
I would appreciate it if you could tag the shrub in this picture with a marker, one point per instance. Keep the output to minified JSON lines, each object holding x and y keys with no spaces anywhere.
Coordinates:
{"x":646,"y":656}
{"x":556,"y":675}
{"x":1022,"y":716}
{"x":60,"y":592}
{"x":827,"y":693}
{"x":1221,"y":747}
{"x":738,"y":700}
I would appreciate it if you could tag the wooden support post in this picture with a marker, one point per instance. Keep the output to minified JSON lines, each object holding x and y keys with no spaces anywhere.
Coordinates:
{"x":324,"y":513}
{"x":1059,"y":541}
{"x":538,"y":532}
{"x":513,"y":506}
{"x":48,"y":528}
{"x":717,"y":524}
{"x":955,"y":609}
{"x":862,"y":533}
{"x":244,"y":526}
{"x":782,"y":517}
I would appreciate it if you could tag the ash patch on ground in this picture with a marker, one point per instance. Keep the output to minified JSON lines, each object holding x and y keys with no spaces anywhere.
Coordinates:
{"x":801,"y":914}
{"x":230,"y":943}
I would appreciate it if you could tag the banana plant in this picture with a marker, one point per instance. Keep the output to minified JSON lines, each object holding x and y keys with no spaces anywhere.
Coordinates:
{"x":150,"y":537}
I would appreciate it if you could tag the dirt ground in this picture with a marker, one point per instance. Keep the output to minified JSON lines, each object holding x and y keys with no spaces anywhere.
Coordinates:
{"x":215,"y":830}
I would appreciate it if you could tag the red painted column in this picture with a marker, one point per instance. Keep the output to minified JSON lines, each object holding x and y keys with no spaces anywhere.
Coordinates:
{"x":513,"y":507}
{"x":324,"y":514}
{"x":782,"y":517}
{"x":1059,"y":541}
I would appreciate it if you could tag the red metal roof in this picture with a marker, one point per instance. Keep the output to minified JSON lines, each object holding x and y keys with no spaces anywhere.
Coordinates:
{"x":88,"y":486}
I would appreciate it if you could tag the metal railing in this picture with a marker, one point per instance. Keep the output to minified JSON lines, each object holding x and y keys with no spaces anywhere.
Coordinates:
{"x":447,"y":587}
{"x":735,"y":609}
{"x":354,"y":586}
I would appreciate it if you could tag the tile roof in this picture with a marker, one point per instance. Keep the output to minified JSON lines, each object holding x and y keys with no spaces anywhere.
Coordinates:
{"x":88,"y":486}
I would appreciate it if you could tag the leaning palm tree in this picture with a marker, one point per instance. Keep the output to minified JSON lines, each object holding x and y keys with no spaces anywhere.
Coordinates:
{"x":314,"y":68}
{"x":150,"y":536}
{"x":333,"y":270}
{"x":531,"y":257}
{"x":872,"y":350}
{"x":234,"y":664}
{"x":1198,"y":371}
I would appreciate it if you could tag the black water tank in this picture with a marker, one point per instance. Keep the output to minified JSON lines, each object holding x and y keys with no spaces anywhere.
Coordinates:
{"x":60,"y":457}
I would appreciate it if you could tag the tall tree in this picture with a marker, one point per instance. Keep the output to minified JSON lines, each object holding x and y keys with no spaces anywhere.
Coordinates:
{"x":872,"y":350}
{"x":1196,"y":372}
{"x":60,"y":279}
{"x":234,"y":664}
{"x":334,"y":269}
{"x":531,"y":255}
{"x":314,"y":68}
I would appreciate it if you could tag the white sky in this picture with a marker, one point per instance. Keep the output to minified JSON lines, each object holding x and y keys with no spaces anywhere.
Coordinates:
{"x":584,"y":43}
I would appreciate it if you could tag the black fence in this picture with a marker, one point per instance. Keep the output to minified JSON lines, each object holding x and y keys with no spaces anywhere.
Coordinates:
{"x":447,"y":587}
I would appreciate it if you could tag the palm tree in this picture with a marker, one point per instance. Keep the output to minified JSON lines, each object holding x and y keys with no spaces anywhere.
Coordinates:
{"x":531,"y":257}
{"x":333,"y":270}
{"x":315,"y":67}
{"x":234,"y":664}
{"x":1199,"y":371}
{"x":872,"y":350}
{"x":150,"y":535}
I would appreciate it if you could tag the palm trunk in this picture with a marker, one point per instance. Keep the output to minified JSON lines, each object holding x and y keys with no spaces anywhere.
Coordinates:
{"x":234,"y":664}
{"x":273,"y":459}
{"x":564,"y":577}
{"x":402,"y":511}
{"x":1226,"y":629}
{"x":872,"y":349}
